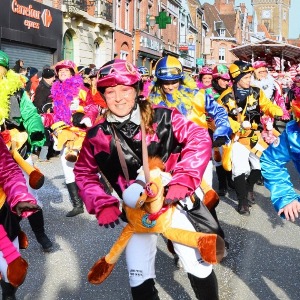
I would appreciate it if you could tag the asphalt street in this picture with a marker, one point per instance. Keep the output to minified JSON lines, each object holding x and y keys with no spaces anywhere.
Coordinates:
{"x":262,"y":263}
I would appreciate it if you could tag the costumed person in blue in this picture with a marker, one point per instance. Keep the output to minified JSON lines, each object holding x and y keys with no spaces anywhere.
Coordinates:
{"x":244,"y":104}
{"x":273,"y":166}
{"x":19,"y":115}
{"x":175,"y":88}
{"x":129,"y":126}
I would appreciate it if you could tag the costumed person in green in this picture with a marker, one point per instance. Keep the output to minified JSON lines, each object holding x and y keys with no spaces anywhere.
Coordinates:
{"x":18,"y":113}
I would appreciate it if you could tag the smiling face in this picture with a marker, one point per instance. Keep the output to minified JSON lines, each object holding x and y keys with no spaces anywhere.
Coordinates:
{"x":64,"y":73}
{"x":120,"y":99}
{"x":170,"y":86}
{"x":207,"y":79}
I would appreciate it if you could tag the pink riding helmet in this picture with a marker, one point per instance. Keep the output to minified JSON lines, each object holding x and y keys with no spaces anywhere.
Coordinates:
{"x":259,"y":64}
{"x":66,"y":64}
{"x":117,"y":72}
{"x":205,"y":71}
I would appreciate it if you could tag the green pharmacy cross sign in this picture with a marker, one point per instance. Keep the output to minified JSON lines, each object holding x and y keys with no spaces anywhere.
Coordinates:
{"x":162,"y":20}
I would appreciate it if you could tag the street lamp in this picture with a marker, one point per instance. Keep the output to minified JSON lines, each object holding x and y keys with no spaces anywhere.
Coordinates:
{"x":150,"y":21}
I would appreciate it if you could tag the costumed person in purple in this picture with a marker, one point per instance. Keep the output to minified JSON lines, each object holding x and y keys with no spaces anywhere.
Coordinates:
{"x":205,"y":78}
{"x":185,"y":149}
{"x":244,"y":104}
{"x":15,"y":203}
{"x":73,"y":112}
{"x":19,"y":116}
{"x":273,"y":166}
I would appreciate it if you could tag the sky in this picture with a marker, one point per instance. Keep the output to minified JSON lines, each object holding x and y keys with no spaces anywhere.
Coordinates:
{"x":294,"y":28}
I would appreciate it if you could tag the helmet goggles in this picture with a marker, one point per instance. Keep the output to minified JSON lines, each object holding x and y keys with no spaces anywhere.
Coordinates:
{"x":244,"y":69}
{"x":118,"y":72}
{"x":170,"y":71}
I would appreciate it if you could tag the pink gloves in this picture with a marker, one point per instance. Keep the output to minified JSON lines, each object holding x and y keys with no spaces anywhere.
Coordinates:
{"x":176,"y":192}
{"x":109,"y":216}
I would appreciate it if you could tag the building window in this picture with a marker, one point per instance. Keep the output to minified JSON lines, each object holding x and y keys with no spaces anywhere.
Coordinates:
{"x":222,"y":32}
{"x":68,"y":46}
{"x":123,"y":55}
{"x":221,"y":54}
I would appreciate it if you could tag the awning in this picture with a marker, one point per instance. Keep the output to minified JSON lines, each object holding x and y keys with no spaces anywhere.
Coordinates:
{"x":266,"y":48}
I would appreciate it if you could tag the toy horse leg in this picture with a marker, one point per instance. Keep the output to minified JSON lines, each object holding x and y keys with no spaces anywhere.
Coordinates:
{"x":36,"y":178}
{"x":16,"y":265}
{"x":211,"y":197}
{"x":104,"y":266}
{"x":210,"y":246}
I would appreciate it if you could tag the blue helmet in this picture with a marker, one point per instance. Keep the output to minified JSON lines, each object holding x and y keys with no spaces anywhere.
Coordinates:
{"x":168,"y":68}
{"x":143,"y":71}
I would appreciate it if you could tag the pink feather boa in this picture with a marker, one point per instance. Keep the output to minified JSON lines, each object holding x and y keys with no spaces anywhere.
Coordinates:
{"x":63,"y":94}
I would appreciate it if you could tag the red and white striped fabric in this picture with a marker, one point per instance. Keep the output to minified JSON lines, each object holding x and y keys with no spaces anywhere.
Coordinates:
{"x":293,"y":72}
{"x":276,"y":63}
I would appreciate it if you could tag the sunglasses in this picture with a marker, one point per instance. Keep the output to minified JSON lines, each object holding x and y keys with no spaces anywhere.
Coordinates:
{"x":118,"y":67}
{"x":169,"y":71}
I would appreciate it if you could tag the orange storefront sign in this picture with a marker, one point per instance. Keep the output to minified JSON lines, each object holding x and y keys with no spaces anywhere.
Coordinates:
{"x":30,"y":12}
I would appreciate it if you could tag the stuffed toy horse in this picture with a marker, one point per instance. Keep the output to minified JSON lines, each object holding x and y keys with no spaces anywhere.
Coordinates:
{"x":146,"y":213}
{"x":14,"y":140}
{"x":69,"y":136}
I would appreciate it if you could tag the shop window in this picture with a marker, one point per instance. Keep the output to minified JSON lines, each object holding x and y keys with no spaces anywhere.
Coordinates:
{"x":68,"y":46}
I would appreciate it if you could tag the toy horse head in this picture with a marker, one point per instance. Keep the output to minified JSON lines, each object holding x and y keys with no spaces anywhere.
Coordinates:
{"x":148,"y":196}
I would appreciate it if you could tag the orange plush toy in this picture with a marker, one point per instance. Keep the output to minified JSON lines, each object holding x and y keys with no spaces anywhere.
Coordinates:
{"x":146,"y":213}
{"x":69,"y":136}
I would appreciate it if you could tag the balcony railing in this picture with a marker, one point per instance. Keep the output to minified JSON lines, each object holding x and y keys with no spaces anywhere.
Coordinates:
{"x":97,"y":8}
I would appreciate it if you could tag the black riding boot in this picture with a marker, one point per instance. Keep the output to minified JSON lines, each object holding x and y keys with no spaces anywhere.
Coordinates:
{"x":36,"y":222}
{"x":75,"y":199}
{"x":251,"y":180}
{"x":8,"y":291}
{"x":240,"y":186}
{"x":205,"y":288}
{"x":145,"y":291}
{"x":230,"y":182}
{"x":221,"y":174}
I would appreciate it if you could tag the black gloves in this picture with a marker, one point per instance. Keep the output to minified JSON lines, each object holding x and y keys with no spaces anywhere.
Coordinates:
{"x":76,"y":119}
{"x":220,"y":141}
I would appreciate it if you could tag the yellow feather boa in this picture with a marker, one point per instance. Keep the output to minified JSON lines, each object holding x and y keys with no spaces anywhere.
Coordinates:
{"x":181,"y":98}
{"x":8,"y":86}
